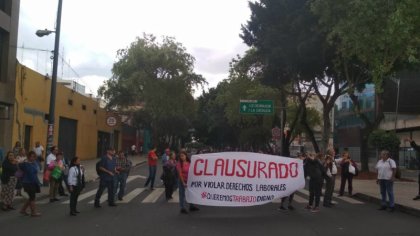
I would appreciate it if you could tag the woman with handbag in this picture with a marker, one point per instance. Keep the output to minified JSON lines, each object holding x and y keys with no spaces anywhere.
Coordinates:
{"x":8,"y":181}
{"x":348,"y":170}
{"x":56,"y":167}
{"x":31,"y":183}
{"x":76,"y":183}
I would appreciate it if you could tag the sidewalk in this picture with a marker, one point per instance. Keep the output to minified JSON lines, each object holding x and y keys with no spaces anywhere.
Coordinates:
{"x":90,"y":171}
{"x":404,"y":192}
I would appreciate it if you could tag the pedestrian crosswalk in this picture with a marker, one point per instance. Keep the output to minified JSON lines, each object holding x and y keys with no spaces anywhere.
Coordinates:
{"x":147,"y":196}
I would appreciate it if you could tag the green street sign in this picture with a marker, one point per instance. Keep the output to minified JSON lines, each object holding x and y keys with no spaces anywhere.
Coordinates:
{"x":256,"y":107}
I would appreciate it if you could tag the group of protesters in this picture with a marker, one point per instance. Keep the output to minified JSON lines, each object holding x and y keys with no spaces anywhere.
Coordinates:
{"x":319,"y":168}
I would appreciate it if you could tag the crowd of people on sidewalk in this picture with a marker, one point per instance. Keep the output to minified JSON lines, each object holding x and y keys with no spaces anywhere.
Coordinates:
{"x":20,"y":171}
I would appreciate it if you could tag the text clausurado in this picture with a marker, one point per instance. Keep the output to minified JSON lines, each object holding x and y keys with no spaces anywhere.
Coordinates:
{"x":246,"y":169}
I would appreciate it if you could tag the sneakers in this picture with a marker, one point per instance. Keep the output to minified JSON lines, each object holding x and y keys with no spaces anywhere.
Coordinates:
{"x":382,"y":208}
{"x":315,"y":209}
{"x":308,"y":207}
{"x":184,"y":211}
{"x":193,"y":208}
{"x":281,"y":208}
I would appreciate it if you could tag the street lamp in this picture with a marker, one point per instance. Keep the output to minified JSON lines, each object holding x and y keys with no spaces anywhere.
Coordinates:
{"x":41,"y":33}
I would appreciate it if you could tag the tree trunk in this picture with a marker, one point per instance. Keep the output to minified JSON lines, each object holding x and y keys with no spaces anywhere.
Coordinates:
{"x":309,"y":131}
{"x":326,"y":129}
{"x":364,"y":149}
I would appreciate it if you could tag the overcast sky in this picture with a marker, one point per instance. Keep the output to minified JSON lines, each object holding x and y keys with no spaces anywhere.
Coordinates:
{"x":93,"y":30}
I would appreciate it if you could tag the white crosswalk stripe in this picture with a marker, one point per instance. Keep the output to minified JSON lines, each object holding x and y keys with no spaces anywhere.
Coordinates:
{"x":131,"y":195}
{"x":147,"y":197}
{"x":296,"y":198}
{"x":154,"y":195}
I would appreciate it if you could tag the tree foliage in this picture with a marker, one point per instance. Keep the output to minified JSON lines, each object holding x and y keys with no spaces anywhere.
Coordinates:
{"x":157,"y":76}
{"x":384,"y":35}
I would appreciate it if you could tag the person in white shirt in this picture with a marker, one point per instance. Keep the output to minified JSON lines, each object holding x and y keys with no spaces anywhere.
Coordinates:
{"x":76,"y":182}
{"x":386,"y":175}
{"x":52,"y":156}
{"x":39,"y":151}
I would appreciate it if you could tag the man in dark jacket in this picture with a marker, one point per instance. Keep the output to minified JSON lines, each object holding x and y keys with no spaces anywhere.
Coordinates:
{"x":417,"y":148}
{"x":316,"y":173}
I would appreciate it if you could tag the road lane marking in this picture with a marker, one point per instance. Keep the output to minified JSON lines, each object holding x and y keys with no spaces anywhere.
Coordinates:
{"x":306,"y":192}
{"x":93,"y":192}
{"x":350,"y":200}
{"x":83,"y":196}
{"x":131,"y":195}
{"x":153,"y":196}
{"x":296,"y":198}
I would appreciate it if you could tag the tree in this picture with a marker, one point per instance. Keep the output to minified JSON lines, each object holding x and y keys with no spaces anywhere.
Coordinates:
{"x":159,"y":77}
{"x":212,"y":127}
{"x":373,"y":39}
{"x":294,"y":50}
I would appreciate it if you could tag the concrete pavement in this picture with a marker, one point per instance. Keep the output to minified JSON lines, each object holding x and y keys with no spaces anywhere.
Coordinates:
{"x":404,"y":192}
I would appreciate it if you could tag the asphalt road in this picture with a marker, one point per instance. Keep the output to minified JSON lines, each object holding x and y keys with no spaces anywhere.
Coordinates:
{"x":147,"y":213}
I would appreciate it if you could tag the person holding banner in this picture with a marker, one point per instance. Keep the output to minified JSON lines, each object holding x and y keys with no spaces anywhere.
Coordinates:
{"x":183,"y":167}
{"x":316,"y":172}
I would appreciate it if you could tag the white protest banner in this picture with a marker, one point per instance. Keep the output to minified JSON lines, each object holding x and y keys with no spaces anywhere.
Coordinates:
{"x":242,"y":178}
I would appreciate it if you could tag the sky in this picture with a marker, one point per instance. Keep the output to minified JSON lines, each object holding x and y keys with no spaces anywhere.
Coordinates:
{"x":93,"y":30}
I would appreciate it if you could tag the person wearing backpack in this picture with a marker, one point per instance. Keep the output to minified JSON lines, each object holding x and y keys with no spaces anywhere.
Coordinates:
{"x":386,"y":175}
{"x":107,"y":169}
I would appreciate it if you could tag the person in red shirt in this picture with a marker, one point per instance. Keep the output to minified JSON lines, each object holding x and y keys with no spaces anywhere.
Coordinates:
{"x":152,"y":162}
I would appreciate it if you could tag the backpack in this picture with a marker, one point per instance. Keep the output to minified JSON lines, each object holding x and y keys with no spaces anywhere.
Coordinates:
{"x":98,"y":167}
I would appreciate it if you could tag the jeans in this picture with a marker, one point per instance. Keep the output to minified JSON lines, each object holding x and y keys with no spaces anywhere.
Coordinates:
{"x":105,"y":183}
{"x":329,"y":189}
{"x":315,"y":186}
{"x":344,"y":178}
{"x":74,"y":195}
{"x":120,"y":181}
{"x":152,"y":175}
{"x":182,"y":199}
{"x":387,"y":187}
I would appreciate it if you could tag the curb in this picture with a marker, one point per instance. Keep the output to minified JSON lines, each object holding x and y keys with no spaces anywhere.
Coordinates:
{"x":399,"y":207}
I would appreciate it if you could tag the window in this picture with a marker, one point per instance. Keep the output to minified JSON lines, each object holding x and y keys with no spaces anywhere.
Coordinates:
{"x":84,"y":107}
{"x":70,"y":102}
{"x":344,"y":106}
{"x":4,"y":111}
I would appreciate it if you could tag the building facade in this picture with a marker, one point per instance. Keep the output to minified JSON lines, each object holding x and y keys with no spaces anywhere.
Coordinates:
{"x":9,"y":21}
{"x":82,"y":127}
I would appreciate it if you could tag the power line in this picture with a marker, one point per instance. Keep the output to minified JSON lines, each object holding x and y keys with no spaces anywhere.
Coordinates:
{"x":64,"y":62}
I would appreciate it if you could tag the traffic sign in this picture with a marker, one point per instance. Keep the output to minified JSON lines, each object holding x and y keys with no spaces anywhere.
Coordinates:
{"x":111,"y":121}
{"x":256,"y":107}
{"x":276,"y":133}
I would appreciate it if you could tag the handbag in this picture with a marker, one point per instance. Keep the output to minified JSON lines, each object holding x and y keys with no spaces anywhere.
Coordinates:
{"x":352,"y":169}
{"x":46,"y":176}
{"x":19,"y":174}
{"x":56,"y":173}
